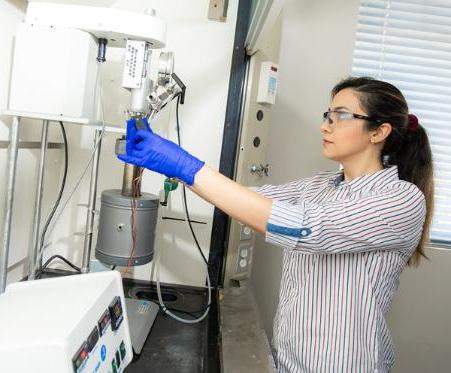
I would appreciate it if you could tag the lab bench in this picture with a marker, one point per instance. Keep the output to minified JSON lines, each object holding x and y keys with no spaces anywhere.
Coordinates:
{"x":230,"y":340}
{"x":173,"y":346}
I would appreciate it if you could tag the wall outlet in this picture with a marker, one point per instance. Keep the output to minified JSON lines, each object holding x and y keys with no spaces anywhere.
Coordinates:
{"x":245,"y":233}
{"x":244,"y":257}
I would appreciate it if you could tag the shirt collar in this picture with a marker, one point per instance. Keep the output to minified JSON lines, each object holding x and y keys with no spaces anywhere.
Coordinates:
{"x":377,"y":179}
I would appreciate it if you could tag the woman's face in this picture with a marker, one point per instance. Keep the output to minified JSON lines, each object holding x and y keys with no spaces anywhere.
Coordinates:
{"x":345,"y":138}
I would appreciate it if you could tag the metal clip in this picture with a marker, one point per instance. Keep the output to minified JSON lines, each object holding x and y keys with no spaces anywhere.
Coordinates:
{"x":260,"y":170}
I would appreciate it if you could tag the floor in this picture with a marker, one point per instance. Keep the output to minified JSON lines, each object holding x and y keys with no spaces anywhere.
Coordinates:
{"x":245,"y":347}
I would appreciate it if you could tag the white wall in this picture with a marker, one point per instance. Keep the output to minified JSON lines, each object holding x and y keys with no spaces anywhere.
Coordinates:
{"x":420,"y":316}
{"x":203,"y":51}
{"x":315,"y":52}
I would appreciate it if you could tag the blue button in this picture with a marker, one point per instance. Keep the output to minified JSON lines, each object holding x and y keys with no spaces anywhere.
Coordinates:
{"x":103,"y":352}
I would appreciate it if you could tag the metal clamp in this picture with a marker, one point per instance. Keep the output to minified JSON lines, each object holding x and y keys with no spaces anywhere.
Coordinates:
{"x":260,"y":170}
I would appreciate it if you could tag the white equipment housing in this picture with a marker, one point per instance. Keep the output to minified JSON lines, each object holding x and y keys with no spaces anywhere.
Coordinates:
{"x":67,"y":324}
{"x":54,"y":72}
{"x":109,"y":23}
{"x":55,"y":67}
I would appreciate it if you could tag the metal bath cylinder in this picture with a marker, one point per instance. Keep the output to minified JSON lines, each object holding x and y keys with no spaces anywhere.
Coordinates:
{"x":129,"y":186}
{"x":115,"y":237}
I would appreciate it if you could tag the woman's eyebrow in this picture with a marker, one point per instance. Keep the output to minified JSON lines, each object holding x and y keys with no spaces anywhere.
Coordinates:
{"x":340,"y":108}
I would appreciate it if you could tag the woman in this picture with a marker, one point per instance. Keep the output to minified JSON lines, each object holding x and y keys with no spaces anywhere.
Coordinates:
{"x":347,"y":234}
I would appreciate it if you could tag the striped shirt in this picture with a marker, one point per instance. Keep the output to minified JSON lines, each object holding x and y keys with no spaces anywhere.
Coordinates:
{"x":346,"y":244}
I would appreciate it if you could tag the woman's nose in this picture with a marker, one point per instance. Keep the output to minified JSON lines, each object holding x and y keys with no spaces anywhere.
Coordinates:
{"x":324,"y":127}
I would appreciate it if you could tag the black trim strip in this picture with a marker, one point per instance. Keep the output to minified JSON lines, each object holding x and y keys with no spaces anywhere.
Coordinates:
{"x":221,"y":222}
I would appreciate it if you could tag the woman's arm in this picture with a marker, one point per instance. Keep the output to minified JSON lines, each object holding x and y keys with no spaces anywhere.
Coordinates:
{"x":146,"y":149}
{"x":288,"y":192}
{"x":235,"y":200}
{"x":390,"y":218}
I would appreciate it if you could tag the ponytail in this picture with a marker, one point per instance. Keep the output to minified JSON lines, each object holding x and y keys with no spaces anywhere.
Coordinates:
{"x":412,"y":154}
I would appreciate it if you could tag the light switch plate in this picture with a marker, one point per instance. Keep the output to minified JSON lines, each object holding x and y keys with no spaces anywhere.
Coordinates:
{"x":217,"y":10}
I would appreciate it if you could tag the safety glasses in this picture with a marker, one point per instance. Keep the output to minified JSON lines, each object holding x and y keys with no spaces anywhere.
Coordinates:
{"x":333,"y":117}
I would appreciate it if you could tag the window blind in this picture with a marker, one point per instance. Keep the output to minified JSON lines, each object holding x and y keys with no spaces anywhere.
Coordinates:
{"x":408,"y":43}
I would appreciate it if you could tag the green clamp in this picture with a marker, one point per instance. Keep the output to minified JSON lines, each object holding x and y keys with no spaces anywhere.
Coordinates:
{"x":170,"y":184}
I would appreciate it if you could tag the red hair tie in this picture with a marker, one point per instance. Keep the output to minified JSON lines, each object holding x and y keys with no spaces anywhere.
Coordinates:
{"x":413,"y":122}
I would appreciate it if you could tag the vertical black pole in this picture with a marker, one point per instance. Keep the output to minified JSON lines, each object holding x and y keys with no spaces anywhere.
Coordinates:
{"x":221,"y":223}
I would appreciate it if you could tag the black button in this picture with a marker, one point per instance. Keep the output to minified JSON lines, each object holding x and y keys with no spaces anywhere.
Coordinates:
{"x":104,"y":322}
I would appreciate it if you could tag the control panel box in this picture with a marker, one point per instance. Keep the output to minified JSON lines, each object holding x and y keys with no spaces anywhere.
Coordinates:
{"x":268,"y":83}
{"x":69,"y":324}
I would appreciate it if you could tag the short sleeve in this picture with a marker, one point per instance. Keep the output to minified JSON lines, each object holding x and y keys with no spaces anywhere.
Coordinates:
{"x":389,"y":219}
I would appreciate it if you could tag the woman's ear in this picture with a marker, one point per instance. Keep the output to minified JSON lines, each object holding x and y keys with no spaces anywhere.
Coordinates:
{"x":381,"y":133}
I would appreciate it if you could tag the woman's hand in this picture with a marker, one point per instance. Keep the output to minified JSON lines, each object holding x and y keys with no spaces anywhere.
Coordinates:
{"x":146,"y":149}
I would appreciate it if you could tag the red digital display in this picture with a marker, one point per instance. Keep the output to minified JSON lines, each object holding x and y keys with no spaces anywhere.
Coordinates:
{"x":104,"y":322}
{"x":80,"y":356}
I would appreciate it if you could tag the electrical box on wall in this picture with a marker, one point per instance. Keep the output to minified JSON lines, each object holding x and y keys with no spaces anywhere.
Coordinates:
{"x":268,"y":82}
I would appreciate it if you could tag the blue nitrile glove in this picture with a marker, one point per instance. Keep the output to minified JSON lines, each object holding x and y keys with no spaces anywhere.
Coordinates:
{"x":146,"y":149}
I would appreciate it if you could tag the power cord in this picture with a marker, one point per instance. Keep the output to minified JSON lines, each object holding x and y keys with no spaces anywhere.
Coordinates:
{"x":63,"y":185}
{"x":55,"y":206}
{"x":81,"y":177}
{"x":52,"y":258}
{"x":184,"y":189}
{"x":189,"y":313}
{"x":165,"y":309}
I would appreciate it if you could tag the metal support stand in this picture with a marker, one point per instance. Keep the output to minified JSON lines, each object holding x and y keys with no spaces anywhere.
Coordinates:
{"x":34,"y":248}
{"x":91,"y":204}
{"x":13,"y":145}
{"x":9,"y":198}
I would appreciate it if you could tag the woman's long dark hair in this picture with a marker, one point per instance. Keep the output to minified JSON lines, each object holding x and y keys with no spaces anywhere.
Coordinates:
{"x":408,"y":149}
